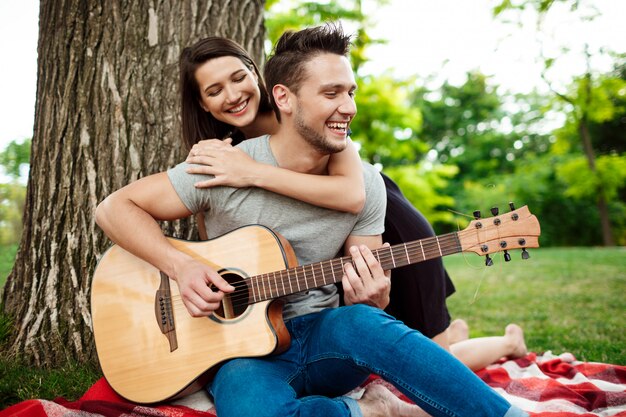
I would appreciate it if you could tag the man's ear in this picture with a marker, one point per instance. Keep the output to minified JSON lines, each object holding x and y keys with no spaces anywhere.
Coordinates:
{"x":283,"y":98}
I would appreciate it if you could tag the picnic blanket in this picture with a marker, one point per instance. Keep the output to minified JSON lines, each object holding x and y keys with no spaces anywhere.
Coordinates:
{"x":544,"y":385}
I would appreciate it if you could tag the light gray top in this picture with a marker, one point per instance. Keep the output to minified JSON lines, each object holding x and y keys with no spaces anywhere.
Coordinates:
{"x":316,"y":234}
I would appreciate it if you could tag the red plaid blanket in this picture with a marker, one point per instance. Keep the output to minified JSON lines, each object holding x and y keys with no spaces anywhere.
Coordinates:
{"x":545,"y":386}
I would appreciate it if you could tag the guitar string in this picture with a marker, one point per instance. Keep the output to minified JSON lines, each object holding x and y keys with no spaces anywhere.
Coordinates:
{"x":397,"y":252}
{"x":242,"y":296}
{"x":325,"y":269}
{"x":433,"y":247}
{"x":270,"y":281}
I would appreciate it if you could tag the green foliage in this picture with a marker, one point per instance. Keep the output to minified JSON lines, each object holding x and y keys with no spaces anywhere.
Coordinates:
{"x":386,"y":126}
{"x":13,"y":160}
{"x":296,"y":14}
{"x":423,"y":188}
{"x":541,"y":6}
{"x":505,"y":153}
{"x":473,"y":127}
{"x":583,"y":183}
{"x":14,"y":157}
{"x":12,"y":197}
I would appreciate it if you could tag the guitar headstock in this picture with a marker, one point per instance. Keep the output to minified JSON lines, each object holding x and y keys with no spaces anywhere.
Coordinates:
{"x":517,"y":229}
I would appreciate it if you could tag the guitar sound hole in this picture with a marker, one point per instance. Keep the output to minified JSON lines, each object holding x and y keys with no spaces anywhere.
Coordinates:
{"x":235,"y":303}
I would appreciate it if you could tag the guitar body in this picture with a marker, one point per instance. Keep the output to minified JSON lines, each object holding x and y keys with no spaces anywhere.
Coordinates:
{"x":145,"y":365}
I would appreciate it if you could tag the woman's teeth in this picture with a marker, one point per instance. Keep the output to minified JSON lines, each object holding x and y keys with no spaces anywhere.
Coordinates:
{"x":239,"y":107}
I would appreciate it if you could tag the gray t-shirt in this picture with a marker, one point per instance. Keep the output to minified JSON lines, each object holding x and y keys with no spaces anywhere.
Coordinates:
{"x":316,"y":234}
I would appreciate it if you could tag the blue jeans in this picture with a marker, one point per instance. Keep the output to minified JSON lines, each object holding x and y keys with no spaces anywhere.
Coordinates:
{"x":333,"y":352}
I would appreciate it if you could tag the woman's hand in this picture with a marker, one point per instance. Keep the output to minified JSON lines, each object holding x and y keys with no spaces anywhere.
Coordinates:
{"x":229,"y":165}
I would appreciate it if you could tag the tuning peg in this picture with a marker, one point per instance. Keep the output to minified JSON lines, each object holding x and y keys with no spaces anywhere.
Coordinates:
{"x":525,"y":254}
{"x":494,"y":211}
{"x":477,"y":214}
{"x":507,"y":256}
{"x":488,"y":260}
{"x":512,"y":206}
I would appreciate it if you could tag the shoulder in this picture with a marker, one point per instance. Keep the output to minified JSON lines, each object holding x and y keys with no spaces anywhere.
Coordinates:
{"x":373,"y":178}
{"x":254,"y":145}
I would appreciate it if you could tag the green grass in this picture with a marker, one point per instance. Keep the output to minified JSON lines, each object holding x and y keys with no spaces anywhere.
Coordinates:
{"x":7,"y":257}
{"x":19,"y":382}
{"x":566,"y":299}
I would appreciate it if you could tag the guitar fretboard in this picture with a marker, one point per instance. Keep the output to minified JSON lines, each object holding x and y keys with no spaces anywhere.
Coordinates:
{"x":301,"y":278}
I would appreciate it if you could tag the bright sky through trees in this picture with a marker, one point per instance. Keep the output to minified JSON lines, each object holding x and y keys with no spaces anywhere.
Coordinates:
{"x":443,"y":39}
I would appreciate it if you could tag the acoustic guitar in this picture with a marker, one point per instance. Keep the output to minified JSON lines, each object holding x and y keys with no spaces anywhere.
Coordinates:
{"x":150,"y":348}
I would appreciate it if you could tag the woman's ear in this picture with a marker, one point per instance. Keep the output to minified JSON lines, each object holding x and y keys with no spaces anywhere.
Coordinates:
{"x":283,"y":98}
{"x":254,"y":75}
{"x":205,"y":108}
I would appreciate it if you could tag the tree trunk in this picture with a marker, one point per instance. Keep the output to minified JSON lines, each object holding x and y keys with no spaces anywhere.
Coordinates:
{"x":107,"y":113}
{"x":603,"y":210}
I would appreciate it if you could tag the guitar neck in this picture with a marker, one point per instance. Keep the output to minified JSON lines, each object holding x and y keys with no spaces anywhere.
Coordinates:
{"x":301,"y":278}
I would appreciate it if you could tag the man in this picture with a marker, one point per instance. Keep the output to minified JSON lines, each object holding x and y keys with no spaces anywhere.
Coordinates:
{"x":333,"y":349}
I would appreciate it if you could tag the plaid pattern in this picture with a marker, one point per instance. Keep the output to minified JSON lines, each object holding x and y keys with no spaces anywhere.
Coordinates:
{"x":543,"y":385}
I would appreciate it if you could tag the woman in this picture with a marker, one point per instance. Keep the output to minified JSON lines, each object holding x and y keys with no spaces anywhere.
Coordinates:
{"x":232,"y":104}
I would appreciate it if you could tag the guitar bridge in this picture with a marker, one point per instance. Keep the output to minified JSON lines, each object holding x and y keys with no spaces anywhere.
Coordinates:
{"x":164,"y":312}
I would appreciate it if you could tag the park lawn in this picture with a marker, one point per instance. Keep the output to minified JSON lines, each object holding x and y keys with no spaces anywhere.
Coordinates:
{"x":566,"y":299}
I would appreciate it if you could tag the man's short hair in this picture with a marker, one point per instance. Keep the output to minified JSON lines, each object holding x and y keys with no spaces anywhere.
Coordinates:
{"x":294,"y":49}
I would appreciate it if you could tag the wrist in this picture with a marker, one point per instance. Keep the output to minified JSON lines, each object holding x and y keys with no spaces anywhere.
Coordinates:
{"x":176,"y":261}
{"x":259,"y":175}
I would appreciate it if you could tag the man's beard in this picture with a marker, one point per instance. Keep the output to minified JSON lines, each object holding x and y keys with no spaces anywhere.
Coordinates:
{"x":314,"y":138}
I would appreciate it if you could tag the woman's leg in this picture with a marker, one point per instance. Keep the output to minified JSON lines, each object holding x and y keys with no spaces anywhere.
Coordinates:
{"x":480,"y":352}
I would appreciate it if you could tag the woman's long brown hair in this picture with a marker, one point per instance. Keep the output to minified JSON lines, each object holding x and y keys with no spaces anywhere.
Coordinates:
{"x":197,"y":124}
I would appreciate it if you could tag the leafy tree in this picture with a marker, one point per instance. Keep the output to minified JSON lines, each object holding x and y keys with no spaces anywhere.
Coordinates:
{"x":485,"y":134}
{"x":480,"y":131}
{"x":386,"y":125}
{"x":589,"y":102}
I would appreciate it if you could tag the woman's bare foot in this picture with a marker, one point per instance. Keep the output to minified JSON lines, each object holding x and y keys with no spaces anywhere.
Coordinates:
{"x":515,"y":338}
{"x":378,"y":401}
{"x":458,"y":331}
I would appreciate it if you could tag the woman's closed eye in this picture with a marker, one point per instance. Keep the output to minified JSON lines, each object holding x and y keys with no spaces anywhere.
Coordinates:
{"x":214,"y":93}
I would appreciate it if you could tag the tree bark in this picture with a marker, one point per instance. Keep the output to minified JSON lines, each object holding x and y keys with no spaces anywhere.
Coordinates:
{"x":107,"y":113}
